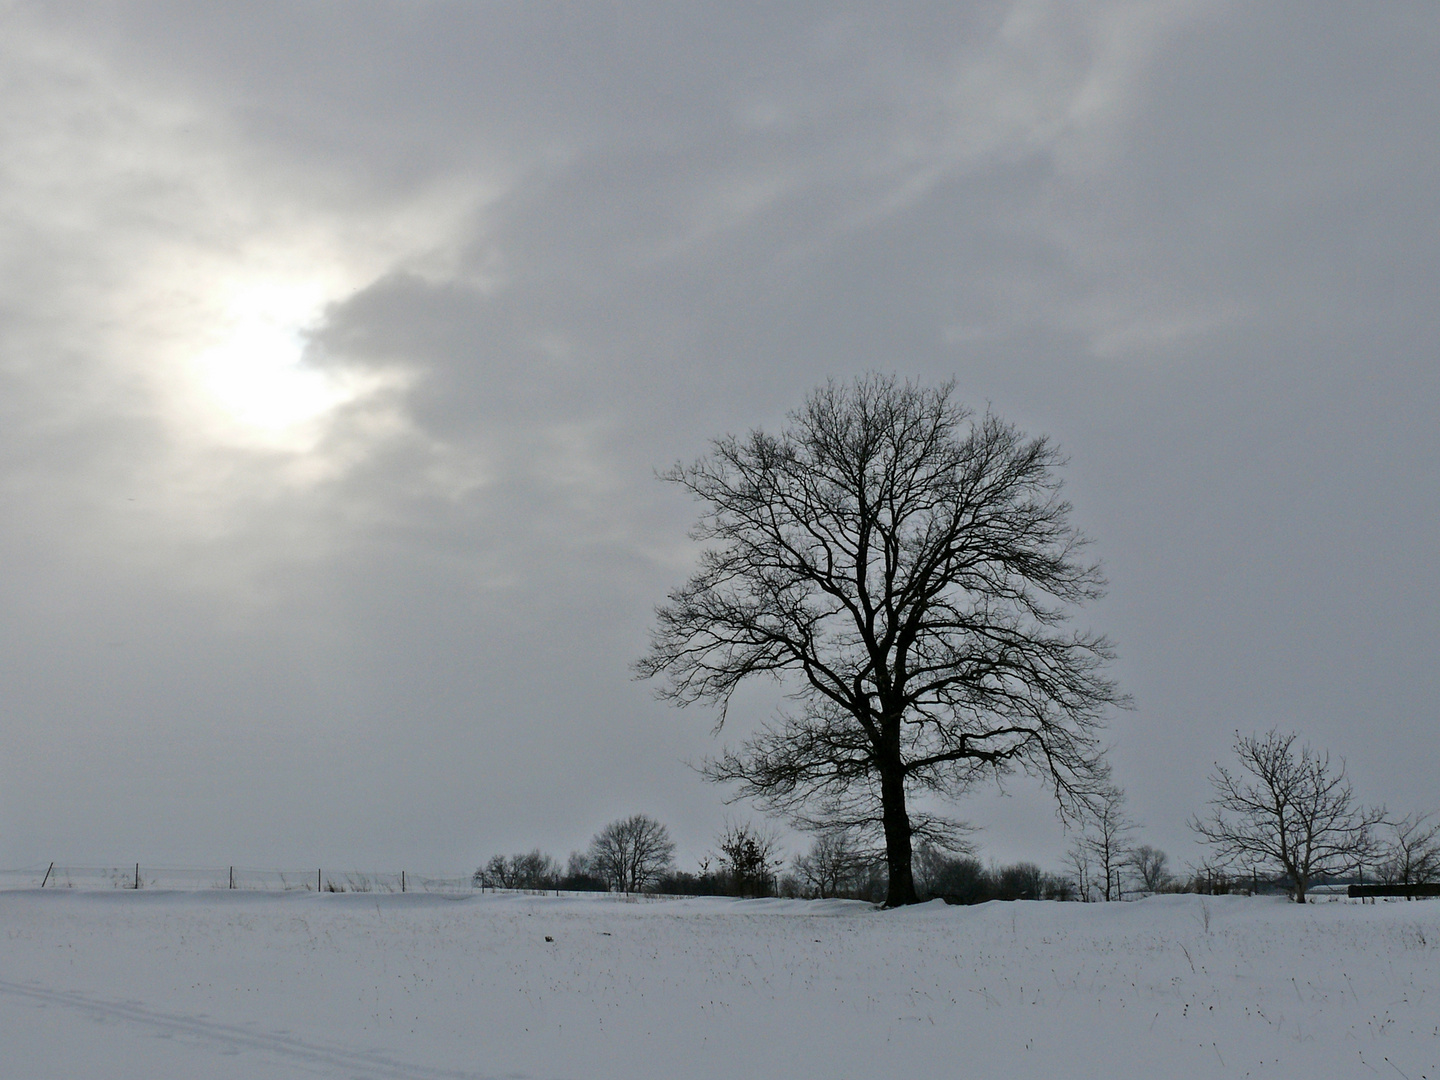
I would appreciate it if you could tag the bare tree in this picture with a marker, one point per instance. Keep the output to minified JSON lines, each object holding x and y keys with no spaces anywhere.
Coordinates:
{"x":580,"y":875}
{"x":631,"y":853}
{"x":530,"y":870}
{"x":945,"y":871}
{"x":1101,"y":850}
{"x":1150,"y":866}
{"x":1411,"y":855}
{"x":1289,"y":810}
{"x":906,"y":571}
{"x":1019,"y":881}
{"x":832,"y":865}
{"x":1078,"y":859}
{"x":749,"y":857}
{"x":1106,"y":833}
{"x":1210,"y":878}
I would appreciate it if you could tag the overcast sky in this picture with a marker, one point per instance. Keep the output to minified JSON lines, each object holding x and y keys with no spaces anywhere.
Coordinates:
{"x":340,"y":343}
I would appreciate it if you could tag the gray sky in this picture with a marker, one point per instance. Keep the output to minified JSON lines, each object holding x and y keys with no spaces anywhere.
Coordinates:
{"x":339,"y":344}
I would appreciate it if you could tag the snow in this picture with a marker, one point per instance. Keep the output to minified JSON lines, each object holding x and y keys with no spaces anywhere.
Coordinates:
{"x":258,"y":985}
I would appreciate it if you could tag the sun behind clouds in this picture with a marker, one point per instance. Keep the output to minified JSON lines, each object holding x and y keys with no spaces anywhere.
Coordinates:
{"x":254,"y":375}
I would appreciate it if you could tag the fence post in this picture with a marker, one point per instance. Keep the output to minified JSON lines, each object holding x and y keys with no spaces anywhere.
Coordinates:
{"x":47,"y":875}
{"x":402,"y":881}
{"x":317,"y":881}
{"x":232,"y":877}
{"x":137,"y":875}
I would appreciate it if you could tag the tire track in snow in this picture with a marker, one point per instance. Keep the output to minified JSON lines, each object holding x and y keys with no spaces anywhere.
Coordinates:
{"x":358,"y":1064}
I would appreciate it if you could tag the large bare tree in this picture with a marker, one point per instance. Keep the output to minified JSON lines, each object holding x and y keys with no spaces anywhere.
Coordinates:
{"x":907,"y":570}
{"x":1287,"y":810}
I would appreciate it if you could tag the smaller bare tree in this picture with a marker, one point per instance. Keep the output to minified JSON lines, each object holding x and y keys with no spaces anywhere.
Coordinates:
{"x":1150,"y":866}
{"x":1288,"y":809}
{"x":832,"y":864}
{"x":1102,"y":848}
{"x":631,"y":853}
{"x":955,"y":874}
{"x":529,"y":870}
{"x":1078,"y":860}
{"x":749,"y":857}
{"x":1411,"y":854}
{"x":1209,"y":878}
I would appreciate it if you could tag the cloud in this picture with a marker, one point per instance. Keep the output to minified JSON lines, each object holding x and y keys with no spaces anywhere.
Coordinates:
{"x":496,"y":264}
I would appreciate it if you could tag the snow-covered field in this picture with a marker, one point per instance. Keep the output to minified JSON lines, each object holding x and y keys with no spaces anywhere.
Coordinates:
{"x":234,"y":984}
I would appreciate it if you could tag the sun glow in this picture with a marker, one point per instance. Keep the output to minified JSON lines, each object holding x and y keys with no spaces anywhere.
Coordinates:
{"x":254,"y":373}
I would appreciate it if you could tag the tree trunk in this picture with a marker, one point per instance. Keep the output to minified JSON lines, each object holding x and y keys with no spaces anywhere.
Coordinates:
{"x":897,"y":839}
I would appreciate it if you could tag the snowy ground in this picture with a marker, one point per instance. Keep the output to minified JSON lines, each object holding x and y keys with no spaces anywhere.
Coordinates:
{"x":233,"y":984}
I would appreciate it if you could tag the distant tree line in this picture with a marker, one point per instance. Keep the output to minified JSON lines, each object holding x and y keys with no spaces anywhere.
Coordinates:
{"x":629,"y":855}
{"x":1285,"y":818}
{"x":636,"y":855}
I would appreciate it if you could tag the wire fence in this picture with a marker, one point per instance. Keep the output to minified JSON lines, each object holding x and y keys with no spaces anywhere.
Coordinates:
{"x":191,"y":878}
